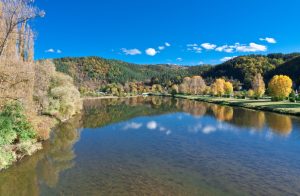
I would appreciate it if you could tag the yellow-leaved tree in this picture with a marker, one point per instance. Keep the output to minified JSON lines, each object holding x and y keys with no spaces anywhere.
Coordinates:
{"x":228,"y":88}
{"x":218,"y":87}
{"x":280,"y":87}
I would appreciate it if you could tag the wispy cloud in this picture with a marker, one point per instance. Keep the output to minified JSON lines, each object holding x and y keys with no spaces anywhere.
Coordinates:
{"x":225,"y":48}
{"x":192,"y":45}
{"x":131,"y":52}
{"x":161,"y":47}
{"x":270,"y":40}
{"x":194,"y":48}
{"x":167,"y":44}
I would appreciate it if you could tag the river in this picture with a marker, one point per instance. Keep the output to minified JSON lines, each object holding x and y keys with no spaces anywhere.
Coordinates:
{"x":163,"y":146}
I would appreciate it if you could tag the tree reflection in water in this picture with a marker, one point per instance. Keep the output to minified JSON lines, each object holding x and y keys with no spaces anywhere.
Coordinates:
{"x":45,"y":167}
{"x":280,"y":124}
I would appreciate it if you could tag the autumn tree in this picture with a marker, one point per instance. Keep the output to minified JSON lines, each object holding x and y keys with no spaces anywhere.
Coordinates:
{"x":184,"y":88}
{"x":174,"y":89}
{"x":218,"y":87}
{"x":258,"y":86}
{"x":280,"y":87}
{"x":14,"y":15}
{"x":197,"y":85}
{"x":228,"y":88}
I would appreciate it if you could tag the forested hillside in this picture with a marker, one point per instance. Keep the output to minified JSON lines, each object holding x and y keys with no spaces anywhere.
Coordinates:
{"x":290,"y":68}
{"x":93,"y":72}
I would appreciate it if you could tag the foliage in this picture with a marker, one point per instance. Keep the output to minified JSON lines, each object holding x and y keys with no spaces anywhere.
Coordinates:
{"x":14,"y":126}
{"x":258,"y":86}
{"x":94,"y":72}
{"x":64,"y":98}
{"x":250,"y":93}
{"x":218,"y":87}
{"x":280,"y":87}
{"x":174,"y":89}
{"x":290,"y":68}
{"x":228,"y":88}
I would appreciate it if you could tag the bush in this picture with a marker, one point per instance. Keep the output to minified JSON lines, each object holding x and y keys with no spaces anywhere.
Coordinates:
{"x":64,"y":99}
{"x":14,"y":126}
{"x":292,"y":96}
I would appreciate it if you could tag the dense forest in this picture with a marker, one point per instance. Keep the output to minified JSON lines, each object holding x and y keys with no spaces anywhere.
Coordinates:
{"x":93,"y":72}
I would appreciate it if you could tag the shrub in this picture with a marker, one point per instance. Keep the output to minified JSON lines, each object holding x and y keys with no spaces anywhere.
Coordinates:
{"x":292,"y":97}
{"x":14,"y":126}
{"x":63,"y":99}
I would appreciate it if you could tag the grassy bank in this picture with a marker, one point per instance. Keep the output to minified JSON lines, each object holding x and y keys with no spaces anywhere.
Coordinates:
{"x":282,"y":107}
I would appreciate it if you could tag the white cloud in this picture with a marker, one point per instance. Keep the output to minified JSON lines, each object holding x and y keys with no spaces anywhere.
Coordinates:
{"x":208,"y":46}
{"x":179,"y":59}
{"x":161,"y":47}
{"x":225,"y":48}
{"x":227,"y":58}
{"x":133,"y":125}
{"x":151,"y":52}
{"x":51,"y":50}
{"x":131,"y":51}
{"x":167,"y":44}
{"x":252,"y":47}
{"x":152,"y":125}
{"x":237,"y":47}
{"x":270,"y":40}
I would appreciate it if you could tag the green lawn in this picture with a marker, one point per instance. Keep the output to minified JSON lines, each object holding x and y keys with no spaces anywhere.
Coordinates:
{"x":284,"y":107}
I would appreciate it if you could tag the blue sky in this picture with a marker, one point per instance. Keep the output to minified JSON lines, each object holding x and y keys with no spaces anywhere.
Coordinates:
{"x":167,"y":31}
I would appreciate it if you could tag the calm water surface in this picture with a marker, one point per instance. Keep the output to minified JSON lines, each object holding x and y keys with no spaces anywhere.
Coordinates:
{"x":163,"y":146}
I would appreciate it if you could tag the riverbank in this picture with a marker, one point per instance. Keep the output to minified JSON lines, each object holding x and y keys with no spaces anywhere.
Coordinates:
{"x":281,"y":107}
{"x":110,"y":97}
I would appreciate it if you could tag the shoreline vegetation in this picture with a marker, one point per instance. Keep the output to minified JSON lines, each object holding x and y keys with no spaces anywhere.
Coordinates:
{"x":34,"y":96}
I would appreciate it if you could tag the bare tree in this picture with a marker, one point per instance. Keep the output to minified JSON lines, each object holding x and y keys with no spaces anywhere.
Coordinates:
{"x":14,"y":13}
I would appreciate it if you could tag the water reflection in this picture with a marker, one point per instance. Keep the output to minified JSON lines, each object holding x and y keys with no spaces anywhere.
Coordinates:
{"x":280,"y":124}
{"x":45,"y":168}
